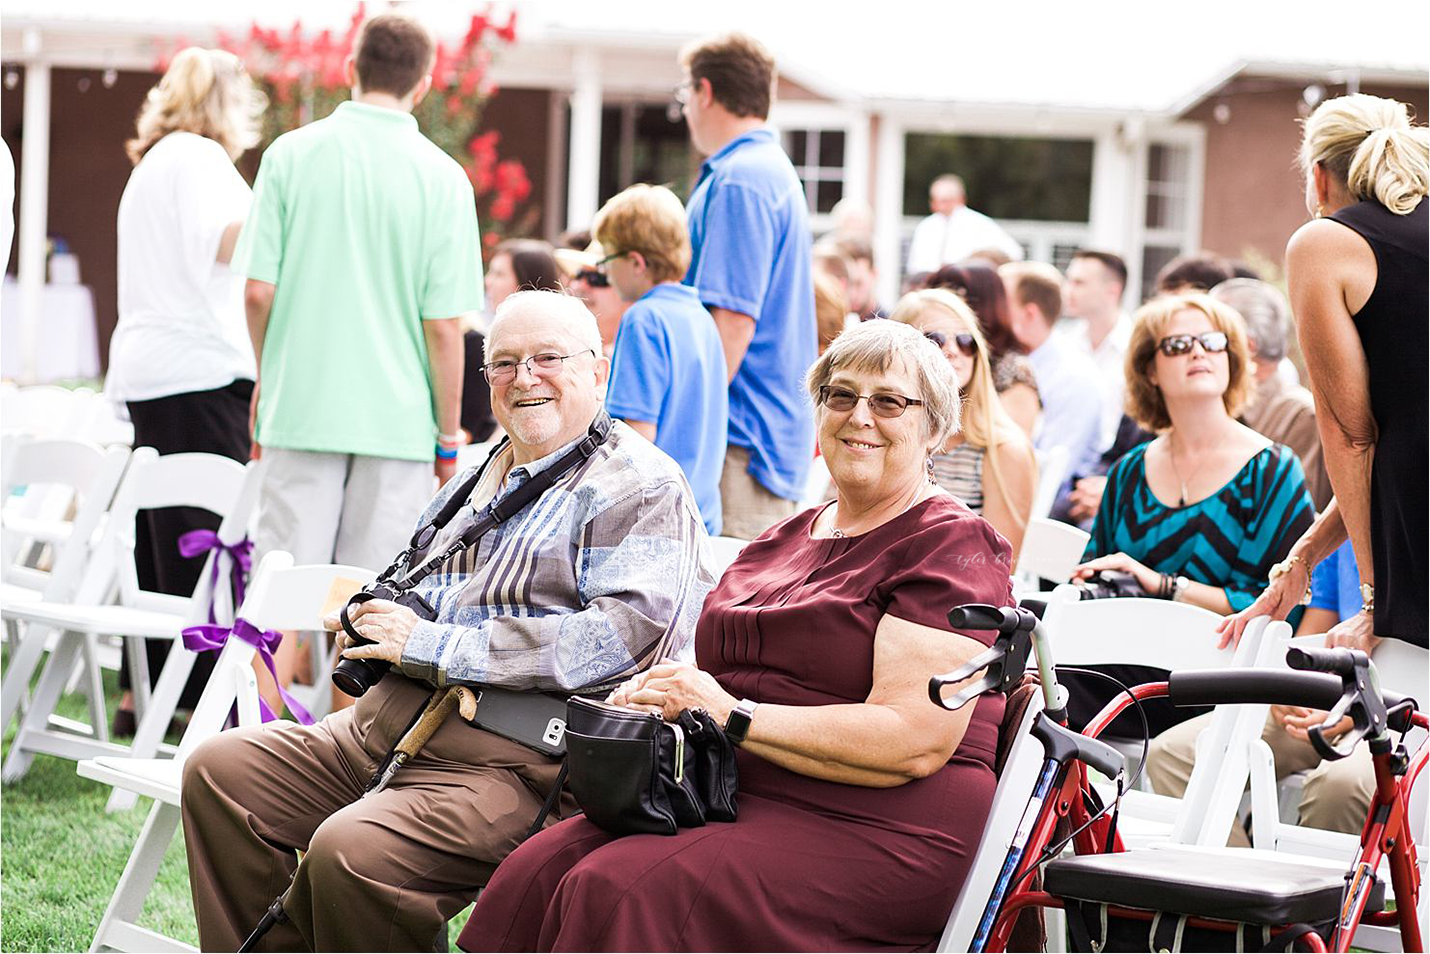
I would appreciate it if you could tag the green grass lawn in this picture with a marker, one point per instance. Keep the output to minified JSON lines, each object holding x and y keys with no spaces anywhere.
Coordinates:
{"x":61,"y":856}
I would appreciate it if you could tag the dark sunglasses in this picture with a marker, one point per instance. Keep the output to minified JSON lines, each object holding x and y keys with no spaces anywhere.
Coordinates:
{"x":964,"y":342}
{"x":1212,"y":342}
{"x":883,"y":405}
{"x":593,"y":278}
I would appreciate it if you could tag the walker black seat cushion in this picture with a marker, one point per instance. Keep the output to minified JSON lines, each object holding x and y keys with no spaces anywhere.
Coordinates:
{"x":1252,"y":888}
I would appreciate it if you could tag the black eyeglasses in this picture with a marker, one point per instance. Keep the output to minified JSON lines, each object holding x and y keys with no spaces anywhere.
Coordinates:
{"x":1212,"y":342}
{"x":593,"y":278}
{"x":546,"y":365}
{"x":681,"y":93}
{"x":883,"y":405}
{"x":963,"y":342}
{"x":601,"y":265}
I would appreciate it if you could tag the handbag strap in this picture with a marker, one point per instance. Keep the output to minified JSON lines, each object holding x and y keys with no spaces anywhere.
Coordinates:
{"x":493,"y":513}
{"x":551,"y":799}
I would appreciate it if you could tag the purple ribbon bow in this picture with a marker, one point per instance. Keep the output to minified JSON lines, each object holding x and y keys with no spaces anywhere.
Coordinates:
{"x":197,"y":542}
{"x":202,"y":638}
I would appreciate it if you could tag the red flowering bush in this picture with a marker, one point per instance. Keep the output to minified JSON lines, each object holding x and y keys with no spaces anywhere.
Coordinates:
{"x":304,"y":79}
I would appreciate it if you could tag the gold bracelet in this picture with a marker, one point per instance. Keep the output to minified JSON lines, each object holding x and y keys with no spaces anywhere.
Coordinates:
{"x":1284,"y":567}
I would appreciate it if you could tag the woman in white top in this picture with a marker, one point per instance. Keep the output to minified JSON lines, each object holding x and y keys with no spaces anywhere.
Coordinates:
{"x":989,"y":463}
{"x":180,"y":359}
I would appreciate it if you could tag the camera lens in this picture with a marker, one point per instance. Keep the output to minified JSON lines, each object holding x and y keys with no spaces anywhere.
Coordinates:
{"x":357,"y":676}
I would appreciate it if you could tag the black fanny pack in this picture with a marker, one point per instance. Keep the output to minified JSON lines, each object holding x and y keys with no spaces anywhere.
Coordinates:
{"x":634,"y":773}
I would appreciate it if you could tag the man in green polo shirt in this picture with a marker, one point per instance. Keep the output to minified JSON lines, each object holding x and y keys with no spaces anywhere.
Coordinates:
{"x":361,"y":252}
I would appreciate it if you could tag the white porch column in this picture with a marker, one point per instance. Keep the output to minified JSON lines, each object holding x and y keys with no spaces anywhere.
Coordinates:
{"x":856,"y":156}
{"x":555,"y":164}
{"x":583,"y":185}
{"x":34,"y":203}
{"x":888,"y":208}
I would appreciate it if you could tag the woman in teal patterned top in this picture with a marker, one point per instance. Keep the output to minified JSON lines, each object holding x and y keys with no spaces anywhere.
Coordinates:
{"x":1203,"y":511}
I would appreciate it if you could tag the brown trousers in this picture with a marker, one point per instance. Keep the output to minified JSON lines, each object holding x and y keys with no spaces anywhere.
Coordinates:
{"x":747,"y":508}
{"x":1335,"y":797}
{"x":382,"y":873}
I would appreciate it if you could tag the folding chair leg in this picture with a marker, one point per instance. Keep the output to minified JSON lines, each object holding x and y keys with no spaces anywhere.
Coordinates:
{"x":47,"y":694}
{"x":138,"y":674}
{"x":93,"y":687}
{"x":23,"y":663}
{"x":155,"y":721}
{"x":1055,"y":922}
{"x":139,"y":875}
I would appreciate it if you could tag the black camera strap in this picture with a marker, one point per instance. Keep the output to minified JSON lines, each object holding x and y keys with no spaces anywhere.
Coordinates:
{"x":496,"y":512}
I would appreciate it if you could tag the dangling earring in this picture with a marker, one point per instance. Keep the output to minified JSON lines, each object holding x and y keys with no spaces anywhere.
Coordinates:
{"x":1320,"y":210}
{"x":929,"y":462}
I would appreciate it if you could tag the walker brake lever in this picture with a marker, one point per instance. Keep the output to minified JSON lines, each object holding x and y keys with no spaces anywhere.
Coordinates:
{"x":1005,"y":660}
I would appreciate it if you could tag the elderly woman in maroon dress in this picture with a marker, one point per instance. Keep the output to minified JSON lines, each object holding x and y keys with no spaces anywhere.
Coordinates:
{"x":861,"y":803}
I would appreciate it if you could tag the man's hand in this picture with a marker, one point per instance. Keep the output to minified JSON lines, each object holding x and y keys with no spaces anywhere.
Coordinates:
{"x":385,"y":625}
{"x":1299,"y":720}
{"x":1085,"y":498}
{"x":255,"y":450}
{"x":1146,"y":577}
{"x":1277,"y":601}
{"x":1353,"y":632}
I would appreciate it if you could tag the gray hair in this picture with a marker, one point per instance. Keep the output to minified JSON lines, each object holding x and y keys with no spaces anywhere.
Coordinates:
{"x":1263,"y":308}
{"x":575,"y":316}
{"x":874,"y":346}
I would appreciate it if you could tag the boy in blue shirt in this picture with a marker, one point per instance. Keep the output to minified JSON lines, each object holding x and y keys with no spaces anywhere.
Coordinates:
{"x":668,"y":377}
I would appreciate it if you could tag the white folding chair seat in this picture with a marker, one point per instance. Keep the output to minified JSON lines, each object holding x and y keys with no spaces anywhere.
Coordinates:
{"x":281,"y":597}
{"x":205,"y":481}
{"x":725,"y":550}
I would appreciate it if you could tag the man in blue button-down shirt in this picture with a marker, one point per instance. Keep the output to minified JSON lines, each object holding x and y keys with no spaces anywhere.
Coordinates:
{"x":750,"y":240}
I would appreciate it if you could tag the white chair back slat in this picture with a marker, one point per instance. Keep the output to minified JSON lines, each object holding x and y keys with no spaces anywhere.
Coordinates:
{"x":1142,"y":632}
{"x":46,"y":411}
{"x":724,"y":550}
{"x":1052,"y":471}
{"x":1051,"y":550}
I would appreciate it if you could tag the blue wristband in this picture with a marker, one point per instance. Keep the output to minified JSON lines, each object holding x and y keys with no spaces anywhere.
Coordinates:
{"x":446,"y":453}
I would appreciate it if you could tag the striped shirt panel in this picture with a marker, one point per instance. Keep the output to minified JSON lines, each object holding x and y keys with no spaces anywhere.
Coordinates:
{"x":960,"y":472}
{"x":1230,"y":539}
{"x":599,"y":578}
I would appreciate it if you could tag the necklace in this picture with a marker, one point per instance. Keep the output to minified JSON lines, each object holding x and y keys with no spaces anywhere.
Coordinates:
{"x":838,"y":534}
{"x":1172,"y":457}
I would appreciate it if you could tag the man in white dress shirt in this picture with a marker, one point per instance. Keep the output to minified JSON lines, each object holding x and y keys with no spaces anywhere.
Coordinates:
{"x":1096,"y":325}
{"x":954,"y":231}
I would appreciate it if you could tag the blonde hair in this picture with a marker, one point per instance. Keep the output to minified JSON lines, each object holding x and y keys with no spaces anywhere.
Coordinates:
{"x":831,"y":309}
{"x":1144,"y":399}
{"x":1369,"y":144}
{"x":650,"y":220}
{"x":986,"y":423}
{"x":205,"y":92}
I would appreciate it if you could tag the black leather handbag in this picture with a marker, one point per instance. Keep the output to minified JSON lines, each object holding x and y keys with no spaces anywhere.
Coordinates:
{"x":634,"y":773}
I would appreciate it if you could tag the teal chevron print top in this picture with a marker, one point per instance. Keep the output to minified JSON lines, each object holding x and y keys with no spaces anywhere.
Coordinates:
{"x":1231,"y":539}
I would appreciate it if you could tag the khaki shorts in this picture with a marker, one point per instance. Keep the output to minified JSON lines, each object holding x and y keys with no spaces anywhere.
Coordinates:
{"x":748,"y":508}
{"x":340,"y":508}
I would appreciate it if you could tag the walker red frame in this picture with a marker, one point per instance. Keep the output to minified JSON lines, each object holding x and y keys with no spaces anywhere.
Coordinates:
{"x":1385,"y":834}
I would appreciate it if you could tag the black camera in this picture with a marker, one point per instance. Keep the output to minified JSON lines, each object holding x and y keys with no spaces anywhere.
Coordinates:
{"x":357,"y":676}
{"x":1109,"y":584}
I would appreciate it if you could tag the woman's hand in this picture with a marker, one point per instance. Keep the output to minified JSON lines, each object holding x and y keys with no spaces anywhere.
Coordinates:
{"x":1150,"y":580}
{"x":385,"y":625}
{"x":669,"y":687}
{"x":1353,"y":632}
{"x":1299,"y":720}
{"x":1277,"y":601}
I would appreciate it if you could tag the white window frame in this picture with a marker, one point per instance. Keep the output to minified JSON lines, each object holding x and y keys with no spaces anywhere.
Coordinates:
{"x":819,"y":117}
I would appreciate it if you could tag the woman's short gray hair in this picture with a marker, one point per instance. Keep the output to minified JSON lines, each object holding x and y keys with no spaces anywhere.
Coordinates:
{"x":1265,"y":311}
{"x":874,"y":346}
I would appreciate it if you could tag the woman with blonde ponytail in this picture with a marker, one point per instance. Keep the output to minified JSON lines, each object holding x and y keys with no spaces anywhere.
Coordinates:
{"x":1358,"y":275}
{"x":989,"y":463}
{"x":180,"y":359}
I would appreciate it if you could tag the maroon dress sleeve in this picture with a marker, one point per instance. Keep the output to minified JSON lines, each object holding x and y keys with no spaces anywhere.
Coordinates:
{"x":953,"y":557}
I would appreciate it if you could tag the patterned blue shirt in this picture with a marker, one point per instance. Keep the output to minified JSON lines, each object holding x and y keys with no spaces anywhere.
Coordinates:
{"x":597,"y":579}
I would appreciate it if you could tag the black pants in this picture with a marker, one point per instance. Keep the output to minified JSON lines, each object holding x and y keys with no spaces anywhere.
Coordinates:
{"x":206,"y":422}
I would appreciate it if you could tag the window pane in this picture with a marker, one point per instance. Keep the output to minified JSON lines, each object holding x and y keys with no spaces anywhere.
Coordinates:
{"x":827,"y":195}
{"x":831,"y":149}
{"x":1008,"y":178}
{"x":1153,"y":258}
{"x":795,"y":141}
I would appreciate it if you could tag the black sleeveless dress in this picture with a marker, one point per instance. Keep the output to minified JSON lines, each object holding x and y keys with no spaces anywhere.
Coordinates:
{"x":1393,"y":331}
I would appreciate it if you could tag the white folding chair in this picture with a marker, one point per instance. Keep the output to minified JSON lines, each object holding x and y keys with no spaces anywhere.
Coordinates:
{"x":816,"y":485}
{"x":45,"y":411}
{"x":724,"y":550}
{"x":1401,"y":668}
{"x":1052,"y":471}
{"x":87,"y":478}
{"x":281,"y":597}
{"x":205,"y":481}
{"x":105,"y":425}
{"x":1167,"y":635}
{"x":1051,"y":550}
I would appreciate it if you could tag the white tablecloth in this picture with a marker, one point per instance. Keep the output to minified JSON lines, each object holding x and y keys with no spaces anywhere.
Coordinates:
{"x":67,"y":345}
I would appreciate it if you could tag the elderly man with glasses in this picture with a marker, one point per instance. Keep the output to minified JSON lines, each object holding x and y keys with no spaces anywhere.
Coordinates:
{"x":589,"y":584}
